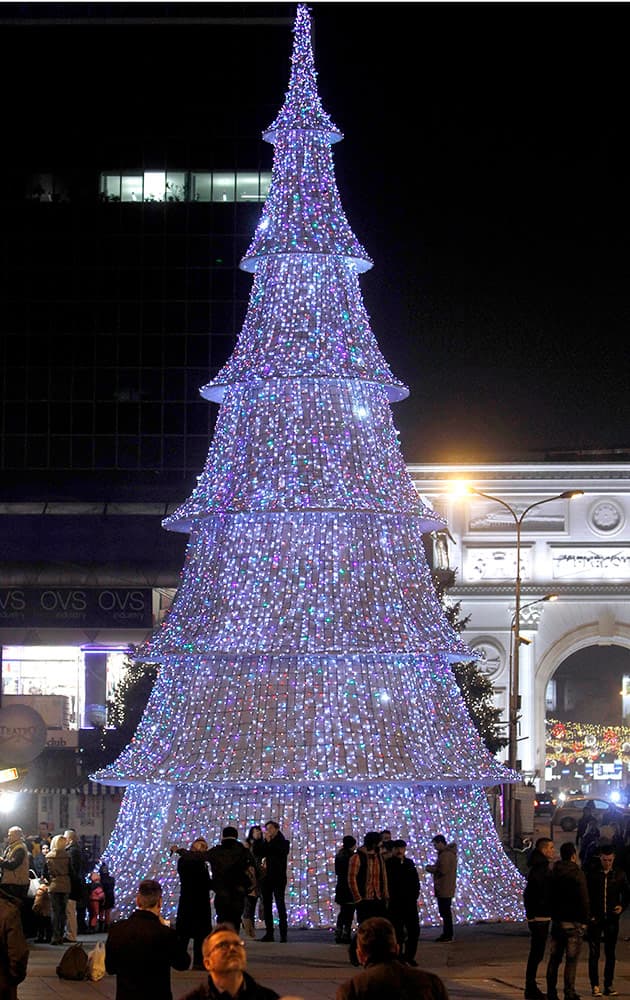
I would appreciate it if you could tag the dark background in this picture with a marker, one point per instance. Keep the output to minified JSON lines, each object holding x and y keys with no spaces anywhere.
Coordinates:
{"x":484,"y":168}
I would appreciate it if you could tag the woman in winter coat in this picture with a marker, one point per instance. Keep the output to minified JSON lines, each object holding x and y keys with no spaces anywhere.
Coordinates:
{"x":249,"y":913}
{"x":194,"y":917}
{"x":57,"y":875}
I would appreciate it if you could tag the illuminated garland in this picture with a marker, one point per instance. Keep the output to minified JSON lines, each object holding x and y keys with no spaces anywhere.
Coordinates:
{"x":582,"y":742}
{"x":305,"y":660}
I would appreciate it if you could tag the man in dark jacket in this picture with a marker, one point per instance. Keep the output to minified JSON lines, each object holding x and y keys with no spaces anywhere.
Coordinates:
{"x":384,"y":977}
{"x":609,"y":895}
{"x":273,"y":850}
{"x":343,"y":896}
{"x":404,"y":888}
{"x":225,"y":959}
{"x":570,"y":914}
{"x":538,"y":911}
{"x":77,"y":886}
{"x":142,"y":950}
{"x":233,"y":868}
{"x":13,"y":947}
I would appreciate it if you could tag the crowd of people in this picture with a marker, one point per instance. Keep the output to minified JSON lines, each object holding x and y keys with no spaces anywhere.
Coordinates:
{"x":377,"y":888}
{"x":379,"y":880}
{"x":569,"y":901}
{"x":574,"y":898}
{"x":377,"y":891}
{"x":60,"y":891}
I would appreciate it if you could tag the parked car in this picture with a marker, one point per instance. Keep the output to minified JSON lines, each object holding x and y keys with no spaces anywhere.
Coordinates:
{"x":568,"y":814}
{"x":544,"y":804}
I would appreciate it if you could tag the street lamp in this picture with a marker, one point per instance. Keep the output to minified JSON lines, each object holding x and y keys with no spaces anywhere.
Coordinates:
{"x":515,"y":638}
{"x":514,"y":705}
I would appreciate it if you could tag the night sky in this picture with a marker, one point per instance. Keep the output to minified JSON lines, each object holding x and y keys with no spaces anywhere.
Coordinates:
{"x":484,"y":168}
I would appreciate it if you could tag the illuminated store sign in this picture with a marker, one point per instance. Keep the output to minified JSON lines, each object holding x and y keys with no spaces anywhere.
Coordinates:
{"x":88,"y":607}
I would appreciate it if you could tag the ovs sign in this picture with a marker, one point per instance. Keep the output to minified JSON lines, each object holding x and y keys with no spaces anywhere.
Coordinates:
{"x":22,"y":734}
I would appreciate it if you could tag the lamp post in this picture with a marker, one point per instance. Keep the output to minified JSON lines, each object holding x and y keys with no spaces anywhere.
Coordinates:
{"x":515,"y":640}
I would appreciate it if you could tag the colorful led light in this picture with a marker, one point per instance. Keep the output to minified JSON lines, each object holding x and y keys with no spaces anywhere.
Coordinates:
{"x":305,"y":661}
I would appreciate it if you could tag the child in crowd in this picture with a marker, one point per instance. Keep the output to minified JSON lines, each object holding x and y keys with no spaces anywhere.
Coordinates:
{"x":96,"y":904}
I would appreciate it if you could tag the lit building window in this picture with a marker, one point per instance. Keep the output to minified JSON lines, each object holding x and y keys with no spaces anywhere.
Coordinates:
{"x":180,"y":185}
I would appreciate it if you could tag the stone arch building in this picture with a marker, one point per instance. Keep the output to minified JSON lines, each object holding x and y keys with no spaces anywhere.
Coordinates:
{"x":578,"y":549}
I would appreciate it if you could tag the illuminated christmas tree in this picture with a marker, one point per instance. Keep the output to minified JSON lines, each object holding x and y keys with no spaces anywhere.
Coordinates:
{"x":305,"y":661}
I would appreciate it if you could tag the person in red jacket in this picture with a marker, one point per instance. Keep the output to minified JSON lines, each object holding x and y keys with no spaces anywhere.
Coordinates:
{"x":96,"y":903}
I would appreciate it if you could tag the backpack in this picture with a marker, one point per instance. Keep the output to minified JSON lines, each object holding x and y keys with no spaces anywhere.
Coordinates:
{"x":74,"y":963}
{"x":96,"y":962}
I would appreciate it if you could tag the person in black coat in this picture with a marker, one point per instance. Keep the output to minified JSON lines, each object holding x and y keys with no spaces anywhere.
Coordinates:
{"x":609,"y":895}
{"x":536,"y":898}
{"x":233,"y":873}
{"x":109,"y":888}
{"x":142,"y":950}
{"x":404,"y":888}
{"x":194,"y":916}
{"x":273,"y":851}
{"x":343,"y":896}
{"x":233,"y":869}
{"x":77,"y":883}
{"x":570,"y":914}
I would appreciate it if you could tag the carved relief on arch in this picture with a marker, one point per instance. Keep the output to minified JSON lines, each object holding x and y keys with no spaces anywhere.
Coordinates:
{"x":493,"y":656}
{"x":606,"y":516}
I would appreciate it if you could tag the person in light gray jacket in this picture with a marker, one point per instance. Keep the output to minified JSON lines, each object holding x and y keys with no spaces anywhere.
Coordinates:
{"x":444,"y":873}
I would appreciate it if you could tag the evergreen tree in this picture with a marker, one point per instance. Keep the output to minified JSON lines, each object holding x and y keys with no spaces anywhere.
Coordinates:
{"x":476,"y":688}
{"x":131,"y":695}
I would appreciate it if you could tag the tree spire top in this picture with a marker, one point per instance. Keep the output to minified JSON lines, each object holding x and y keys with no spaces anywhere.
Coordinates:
{"x":302,"y":108}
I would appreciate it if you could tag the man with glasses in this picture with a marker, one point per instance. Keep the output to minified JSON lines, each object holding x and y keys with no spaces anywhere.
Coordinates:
{"x":225,"y":959}
{"x":141,"y":950}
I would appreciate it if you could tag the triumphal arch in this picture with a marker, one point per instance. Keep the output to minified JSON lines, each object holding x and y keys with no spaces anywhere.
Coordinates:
{"x":577,"y":549}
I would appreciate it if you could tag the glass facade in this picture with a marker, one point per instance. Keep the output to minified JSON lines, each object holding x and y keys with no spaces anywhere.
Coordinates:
{"x":182,"y":185}
{"x":53,"y":678}
{"x":124,"y":220}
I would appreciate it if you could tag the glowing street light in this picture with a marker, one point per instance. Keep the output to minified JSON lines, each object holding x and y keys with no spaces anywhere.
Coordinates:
{"x":515,"y":638}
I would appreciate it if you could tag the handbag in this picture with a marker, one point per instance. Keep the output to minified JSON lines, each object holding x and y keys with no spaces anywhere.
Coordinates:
{"x":33,"y":884}
{"x":41,"y":903}
{"x":96,"y":962}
